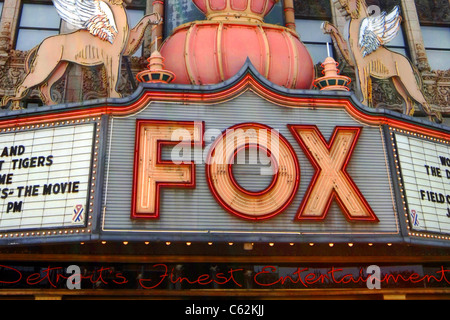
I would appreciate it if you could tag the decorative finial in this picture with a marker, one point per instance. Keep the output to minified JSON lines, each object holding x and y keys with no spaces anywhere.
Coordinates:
{"x":156,"y":72}
{"x":331,"y":79}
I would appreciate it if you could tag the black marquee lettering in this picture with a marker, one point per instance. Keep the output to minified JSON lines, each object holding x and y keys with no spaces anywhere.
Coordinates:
{"x":49,"y":161}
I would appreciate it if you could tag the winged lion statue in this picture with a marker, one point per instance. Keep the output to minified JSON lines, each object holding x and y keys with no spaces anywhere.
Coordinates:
{"x":102,"y":38}
{"x":365,"y":50}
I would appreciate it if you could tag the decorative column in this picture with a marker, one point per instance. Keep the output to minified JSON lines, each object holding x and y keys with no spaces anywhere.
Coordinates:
{"x":289,"y":14}
{"x":414,"y":35}
{"x":157,"y":33}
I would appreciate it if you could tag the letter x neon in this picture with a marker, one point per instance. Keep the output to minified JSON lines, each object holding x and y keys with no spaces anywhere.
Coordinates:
{"x":331,"y":181}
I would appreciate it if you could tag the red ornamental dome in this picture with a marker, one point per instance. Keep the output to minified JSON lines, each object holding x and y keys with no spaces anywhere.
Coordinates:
{"x":214,"y":50}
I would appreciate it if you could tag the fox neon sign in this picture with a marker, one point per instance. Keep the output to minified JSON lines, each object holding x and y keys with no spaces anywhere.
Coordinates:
{"x":329,"y":159}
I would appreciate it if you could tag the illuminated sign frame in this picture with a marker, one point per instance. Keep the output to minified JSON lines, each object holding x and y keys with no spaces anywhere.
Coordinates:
{"x":247,"y":80}
{"x":412,"y":190}
{"x":230,"y":195}
{"x":330,"y":163}
{"x":151,"y":136}
{"x":82,"y":230}
{"x":330,"y":160}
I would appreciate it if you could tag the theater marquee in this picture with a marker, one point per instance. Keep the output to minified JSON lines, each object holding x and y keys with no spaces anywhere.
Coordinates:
{"x":202,"y":172}
{"x":241,"y":161}
{"x":44,"y":177}
{"x":47,"y":179}
{"x":424,"y":165}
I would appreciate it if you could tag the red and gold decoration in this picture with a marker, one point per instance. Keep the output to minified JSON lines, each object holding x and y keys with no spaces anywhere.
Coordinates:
{"x":331,"y":180}
{"x":156,"y":72}
{"x":214,"y":50}
{"x":222,"y":175}
{"x":151,"y":172}
{"x":332,"y":80}
{"x":244,"y":203}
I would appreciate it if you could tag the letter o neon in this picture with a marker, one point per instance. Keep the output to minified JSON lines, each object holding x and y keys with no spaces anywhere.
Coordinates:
{"x":230,"y":195}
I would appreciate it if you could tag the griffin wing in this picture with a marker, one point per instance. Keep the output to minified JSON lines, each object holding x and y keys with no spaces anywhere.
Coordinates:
{"x":376,"y":31}
{"x":92,"y":15}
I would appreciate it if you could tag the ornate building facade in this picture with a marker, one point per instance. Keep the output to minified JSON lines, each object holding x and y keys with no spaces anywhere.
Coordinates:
{"x":245,"y":152}
{"x":424,"y":39}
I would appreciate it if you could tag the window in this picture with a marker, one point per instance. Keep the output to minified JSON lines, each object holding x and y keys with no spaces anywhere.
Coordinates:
{"x":398,"y":44}
{"x":1,"y":9}
{"x":134,"y":16}
{"x":434,"y":17}
{"x":314,"y":39}
{"x":37,"y":22}
{"x":437,"y":46}
{"x":310,"y":14}
{"x":135,"y":12}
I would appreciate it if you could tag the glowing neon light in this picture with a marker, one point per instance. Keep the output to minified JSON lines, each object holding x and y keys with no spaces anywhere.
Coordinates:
{"x":151,"y":172}
{"x":331,"y":181}
{"x":230,"y":195}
